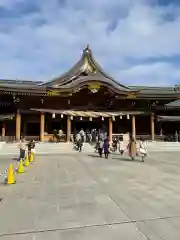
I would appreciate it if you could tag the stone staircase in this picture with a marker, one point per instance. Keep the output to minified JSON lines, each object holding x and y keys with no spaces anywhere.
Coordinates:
{"x":58,"y":148}
{"x":163,"y":146}
{"x":44,"y":148}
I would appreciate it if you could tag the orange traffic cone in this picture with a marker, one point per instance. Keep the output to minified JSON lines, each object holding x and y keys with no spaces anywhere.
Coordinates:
{"x":11,"y":179}
{"x":20,"y":168}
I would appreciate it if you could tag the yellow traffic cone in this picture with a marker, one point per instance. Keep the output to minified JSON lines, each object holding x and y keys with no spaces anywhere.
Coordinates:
{"x":10,"y":179}
{"x":33,"y":155}
{"x":20,"y":168}
{"x":26,"y":163}
{"x":31,"y":158}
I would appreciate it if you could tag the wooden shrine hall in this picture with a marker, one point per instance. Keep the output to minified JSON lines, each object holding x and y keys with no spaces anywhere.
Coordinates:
{"x":83,"y":97}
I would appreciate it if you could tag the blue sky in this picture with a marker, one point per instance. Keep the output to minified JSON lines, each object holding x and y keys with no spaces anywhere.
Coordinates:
{"x":135,"y":41}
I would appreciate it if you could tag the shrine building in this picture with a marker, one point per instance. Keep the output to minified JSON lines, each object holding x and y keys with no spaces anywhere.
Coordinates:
{"x":85,"y":97}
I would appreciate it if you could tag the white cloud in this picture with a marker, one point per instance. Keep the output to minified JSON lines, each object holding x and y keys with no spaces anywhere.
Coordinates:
{"x":153,"y":74}
{"x":43,"y":44}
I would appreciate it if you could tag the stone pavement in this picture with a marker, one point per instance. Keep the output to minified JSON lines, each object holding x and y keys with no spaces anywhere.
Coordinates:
{"x":83,"y":197}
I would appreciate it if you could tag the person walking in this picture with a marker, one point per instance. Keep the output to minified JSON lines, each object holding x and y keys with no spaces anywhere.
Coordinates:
{"x":83,"y":135}
{"x":100,"y":147}
{"x":22,"y":147}
{"x":106,"y":148}
{"x":31,"y":147}
{"x":132,"y":148}
{"x":80,"y":140}
{"x":121,"y":145}
{"x":142,"y":148}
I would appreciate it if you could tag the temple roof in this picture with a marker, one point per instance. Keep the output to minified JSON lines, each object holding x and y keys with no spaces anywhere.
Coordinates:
{"x":86,"y":72}
{"x":173,"y":104}
{"x":86,"y":69}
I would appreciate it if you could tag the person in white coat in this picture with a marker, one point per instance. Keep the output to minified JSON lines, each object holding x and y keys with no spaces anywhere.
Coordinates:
{"x":121,"y":145}
{"x":142,"y":148}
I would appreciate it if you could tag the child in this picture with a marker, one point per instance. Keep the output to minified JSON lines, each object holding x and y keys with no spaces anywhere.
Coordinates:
{"x":142,"y":148}
{"x":31,"y":148}
{"x":121,"y":145}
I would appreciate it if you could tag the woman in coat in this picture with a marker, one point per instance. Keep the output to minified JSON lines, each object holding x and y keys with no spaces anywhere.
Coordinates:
{"x":106,"y":148}
{"x":132,"y":148}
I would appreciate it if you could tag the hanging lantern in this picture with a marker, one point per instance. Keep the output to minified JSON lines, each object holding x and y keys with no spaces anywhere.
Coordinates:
{"x":120,"y":117}
{"x":71,"y":117}
{"x":61,"y":115}
{"x":90,"y":119}
{"x":102,"y":118}
{"x":113,"y":118}
{"x":81,"y":118}
{"x":53,"y":115}
{"x":128,"y":117}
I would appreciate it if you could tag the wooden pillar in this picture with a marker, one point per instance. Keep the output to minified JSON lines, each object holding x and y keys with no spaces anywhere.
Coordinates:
{"x":152,"y":127}
{"x":68,"y":136}
{"x":42,"y":122}
{"x":110,"y":129}
{"x":3,"y":130}
{"x":133,"y":126}
{"x":18,"y":125}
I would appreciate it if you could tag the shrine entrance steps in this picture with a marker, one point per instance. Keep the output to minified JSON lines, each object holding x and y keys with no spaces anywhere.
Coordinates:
{"x":163,"y":146}
{"x":45,"y":148}
{"x":64,"y":148}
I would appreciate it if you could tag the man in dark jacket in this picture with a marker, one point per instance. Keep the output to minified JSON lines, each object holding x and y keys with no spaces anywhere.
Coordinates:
{"x":106,"y":148}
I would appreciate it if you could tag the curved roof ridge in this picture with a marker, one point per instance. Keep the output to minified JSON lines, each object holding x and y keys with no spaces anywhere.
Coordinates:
{"x":77,"y":69}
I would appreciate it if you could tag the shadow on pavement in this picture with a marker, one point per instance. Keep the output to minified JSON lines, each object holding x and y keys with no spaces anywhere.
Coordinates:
{"x":15,"y":159}
{"x":127,"y":159}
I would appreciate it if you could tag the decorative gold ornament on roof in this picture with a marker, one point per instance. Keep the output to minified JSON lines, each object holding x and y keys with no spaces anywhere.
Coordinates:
{"x":94,"y":88}
{"x":87,"y":66}
{"x":131,"y":96}
{"x":53,"y":93}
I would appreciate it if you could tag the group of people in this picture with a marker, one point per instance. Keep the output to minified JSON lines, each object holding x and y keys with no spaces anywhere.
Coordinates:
{"x":103,"y":146}
{"x":137,"y":148}
{"x":134,"y":148}
{"x":26,"y":146}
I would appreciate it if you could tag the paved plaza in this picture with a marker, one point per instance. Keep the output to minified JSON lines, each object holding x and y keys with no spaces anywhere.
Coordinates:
{"x":82,"y":197}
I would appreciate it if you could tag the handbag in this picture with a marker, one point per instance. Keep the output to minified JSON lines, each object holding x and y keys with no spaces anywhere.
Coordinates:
{"x":142,"y":151}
